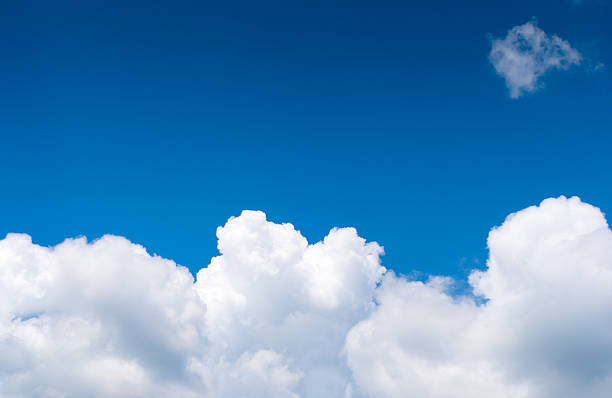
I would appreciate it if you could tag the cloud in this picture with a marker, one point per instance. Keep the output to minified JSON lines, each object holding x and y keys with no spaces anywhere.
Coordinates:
{"x":275,"y":316}
{"x":98,"y":319}
{"x":543,"y":332}
{"x":526,"y":54}
{"x":272,"y":297}
{"x":267,"y":317}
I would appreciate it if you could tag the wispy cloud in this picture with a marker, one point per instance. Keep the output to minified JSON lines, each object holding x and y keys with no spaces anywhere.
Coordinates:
{"x":526,"y":54}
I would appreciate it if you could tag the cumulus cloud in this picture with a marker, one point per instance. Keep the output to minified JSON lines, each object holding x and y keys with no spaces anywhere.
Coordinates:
{"x":526,"y":54}
{"x":275,"y":316}
{"x":99,"y":319}
{"x":545,"y":330}
{"x":266,"y":318}
{"x":273,"y":299}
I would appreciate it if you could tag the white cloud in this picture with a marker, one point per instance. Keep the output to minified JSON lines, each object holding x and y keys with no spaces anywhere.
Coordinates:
{"x":267,"y":318}
{"x":544,"y":332}
{"x":99,"y":319}
{"x":269,"y":290}
{"x":526,"y":54}
{"x":274,"y":316}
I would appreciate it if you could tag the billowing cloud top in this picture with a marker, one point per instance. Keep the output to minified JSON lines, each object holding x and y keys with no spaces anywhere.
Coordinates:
{"x":274,"y":316}
{"x":527,"y":53}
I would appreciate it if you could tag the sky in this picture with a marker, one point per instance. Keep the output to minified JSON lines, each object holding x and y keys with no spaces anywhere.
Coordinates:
{"x":158,"y":121}
{"x":319,"y":199}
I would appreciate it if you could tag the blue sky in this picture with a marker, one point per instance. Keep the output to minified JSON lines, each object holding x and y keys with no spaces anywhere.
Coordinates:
{"x":158,"y":121}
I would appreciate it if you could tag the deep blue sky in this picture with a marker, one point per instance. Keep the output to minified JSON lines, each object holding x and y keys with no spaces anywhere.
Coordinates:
{"x":159,"y":120}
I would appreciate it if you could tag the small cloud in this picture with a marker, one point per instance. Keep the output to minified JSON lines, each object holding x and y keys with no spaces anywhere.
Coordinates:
{"x":526,"y":54}
{"x":599,"y":66}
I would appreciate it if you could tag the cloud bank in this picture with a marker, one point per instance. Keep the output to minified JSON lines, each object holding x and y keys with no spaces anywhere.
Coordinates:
{"x":526,"y":54}
{"x":275,"y":316}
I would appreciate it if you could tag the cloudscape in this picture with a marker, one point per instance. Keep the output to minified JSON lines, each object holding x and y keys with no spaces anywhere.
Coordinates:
{"x":322,"y":199}
{"x":275,"y":316}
